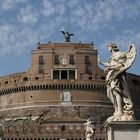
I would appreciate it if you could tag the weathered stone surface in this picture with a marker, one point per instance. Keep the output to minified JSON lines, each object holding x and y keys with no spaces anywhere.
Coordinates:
{"x":123,"y":130}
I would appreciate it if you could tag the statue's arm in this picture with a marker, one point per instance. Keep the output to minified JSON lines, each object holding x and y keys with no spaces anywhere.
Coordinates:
{"x":116,"y":67}
{"x":119,"y":63}
{"x":105,"y":64}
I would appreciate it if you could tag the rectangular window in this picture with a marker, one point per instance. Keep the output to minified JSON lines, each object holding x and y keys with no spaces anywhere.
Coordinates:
{"x":71,"y":74}
{"x":71,"y":60}
{"x":56,"y":74}
{"x":41,"y":60}
{"x":64,"y":74}
{"x":87,"y":61}
{"x":56,"y":59}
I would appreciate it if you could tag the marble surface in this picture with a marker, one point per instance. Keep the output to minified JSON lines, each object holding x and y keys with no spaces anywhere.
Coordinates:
{"x":123,"y":130}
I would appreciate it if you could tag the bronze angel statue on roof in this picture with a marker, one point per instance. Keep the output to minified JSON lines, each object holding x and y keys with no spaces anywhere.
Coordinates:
{"x":117,"y":87}
{"x":67,"y":36}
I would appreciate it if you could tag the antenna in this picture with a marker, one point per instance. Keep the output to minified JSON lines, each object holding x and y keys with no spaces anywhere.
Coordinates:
{"x":68,"y":16}
{"x":67,"y":34}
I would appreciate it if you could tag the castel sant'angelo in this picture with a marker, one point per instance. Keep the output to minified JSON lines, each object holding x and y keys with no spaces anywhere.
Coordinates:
{"x":53,"y":99}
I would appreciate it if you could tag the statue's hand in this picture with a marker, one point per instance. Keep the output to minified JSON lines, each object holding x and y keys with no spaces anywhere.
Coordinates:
{"x":106,"y":70}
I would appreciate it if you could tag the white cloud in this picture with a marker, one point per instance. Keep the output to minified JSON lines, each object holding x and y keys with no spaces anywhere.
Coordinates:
{"x":138,"y":36}
{"x":127,"y":37}
{"x":5,"y":38}
{"x":89,"y":16}
{"x":27,"y":15}
{"x":95,"y":15}
{"x":7,"y":4}
{"x":31,"y":21}
{"x":48,"y":8}
{"x":123,"y":40}
{"x":13,"y":39}
{"x":10,"y":4}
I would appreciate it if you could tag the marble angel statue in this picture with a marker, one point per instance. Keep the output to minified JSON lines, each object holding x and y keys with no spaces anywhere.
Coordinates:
{"x":89,"y":130}
{"x":117,"y":88}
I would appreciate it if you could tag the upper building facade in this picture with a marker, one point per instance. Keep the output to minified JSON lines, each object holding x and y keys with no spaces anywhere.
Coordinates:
{"x":52,"y":100}
{"x":65,"y":61}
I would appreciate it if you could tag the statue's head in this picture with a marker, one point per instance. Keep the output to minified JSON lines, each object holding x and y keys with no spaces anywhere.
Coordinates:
{"x":112,"y":46}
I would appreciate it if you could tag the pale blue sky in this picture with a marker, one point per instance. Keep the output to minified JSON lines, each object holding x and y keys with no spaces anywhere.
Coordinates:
{"x":24,"y":23}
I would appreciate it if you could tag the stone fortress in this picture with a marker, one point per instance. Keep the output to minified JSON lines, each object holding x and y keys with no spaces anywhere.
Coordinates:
{"x":53,"y":99}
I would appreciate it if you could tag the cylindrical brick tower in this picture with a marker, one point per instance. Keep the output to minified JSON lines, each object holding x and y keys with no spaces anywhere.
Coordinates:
{"x":53,"y":99}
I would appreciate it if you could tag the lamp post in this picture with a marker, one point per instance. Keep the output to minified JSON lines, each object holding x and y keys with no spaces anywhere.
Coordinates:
{"x":90,"y":129}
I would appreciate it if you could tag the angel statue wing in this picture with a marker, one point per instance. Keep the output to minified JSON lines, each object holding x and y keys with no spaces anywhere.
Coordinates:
{"x":130,"y":57}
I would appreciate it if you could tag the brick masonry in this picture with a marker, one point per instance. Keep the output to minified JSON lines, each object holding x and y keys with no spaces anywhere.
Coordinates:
{"x":34,"y":105}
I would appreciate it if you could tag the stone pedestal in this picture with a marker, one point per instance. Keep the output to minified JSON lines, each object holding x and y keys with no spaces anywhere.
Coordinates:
{"x":123,"y":130}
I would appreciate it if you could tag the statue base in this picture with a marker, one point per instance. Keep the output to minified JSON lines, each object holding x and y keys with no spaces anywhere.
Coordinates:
{"x":123,"y":130}
{"x":121,"y":118}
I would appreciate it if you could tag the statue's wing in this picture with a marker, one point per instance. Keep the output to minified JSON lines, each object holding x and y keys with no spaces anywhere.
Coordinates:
{"x":130,"y":57}
{"x":62,"y":32}
{"x":71,"y":34}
